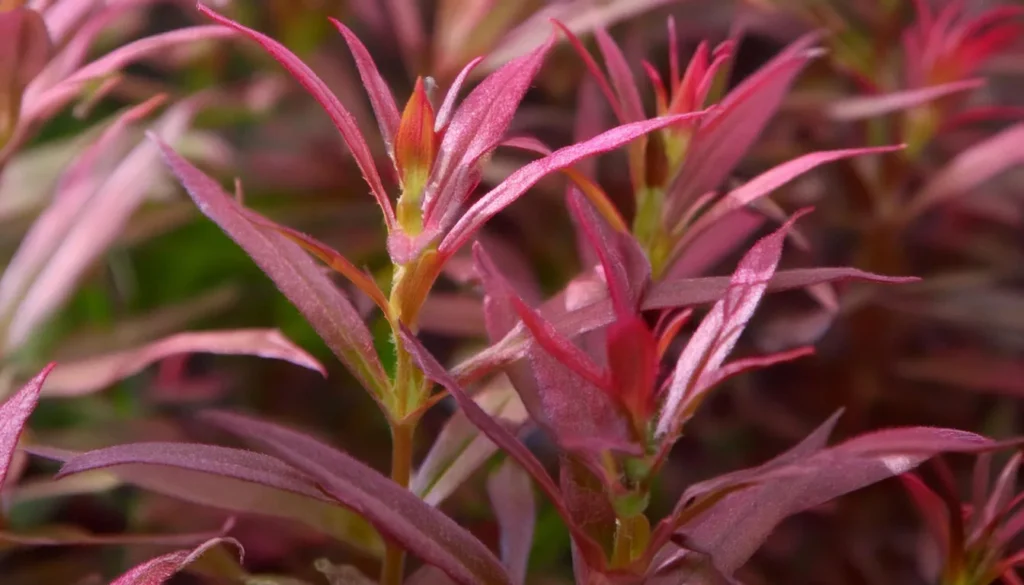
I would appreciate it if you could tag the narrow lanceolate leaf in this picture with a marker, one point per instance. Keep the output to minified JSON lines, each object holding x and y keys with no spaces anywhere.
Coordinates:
{"x":721,"y":328}
{"x":460,"y":449}
{"x":970,"y":169}
{"x":808,"y":476}
{"x":763,"y":184}
{"x":511,"y":494}
{"x":296,"y":275}
{"x":520,"y":181}
{"x":395,"y":511}
{"x":13,"y":415}
{"x":476,"y":128}
{"x":226,"y":479}
{"x":724,"y":137}
{"x":380,"y":95}
{"x":862,"y":107}
{"x":668,"y":294}
{"x":96,"y":373}
{"x":159,"y":570}
{"x":25,"y":48}
{"x":341,"y":117}
{"x":505,"y":440}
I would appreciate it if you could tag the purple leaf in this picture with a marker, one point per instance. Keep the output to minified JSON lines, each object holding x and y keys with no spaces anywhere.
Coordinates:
{"x":380,"y":95}
{"x":714,"y":339}
{"x":296,"y":275}
{"x":724,"y":136}
{"x":227,"y":479}
{"x":503,"y":438}
{"x":394,"y":510}
{"x":14,"y":412}
{"x":342,"y":118}
{"x":159,"y":570}
{"x":527,"y":176}
{"x":809,"y":475}
{"x":511,"y":494}
{"x":96,"y":373}
{"x":61,"y":535}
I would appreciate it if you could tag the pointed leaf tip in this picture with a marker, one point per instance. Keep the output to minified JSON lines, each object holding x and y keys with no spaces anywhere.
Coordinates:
{"x":14,"y":413}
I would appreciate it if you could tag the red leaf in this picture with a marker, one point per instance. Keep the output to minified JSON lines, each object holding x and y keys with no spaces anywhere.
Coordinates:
{"x":725,"y":135}
{"x":932,"y":508}
{"x":527,"y":176}
{"x":341,"y":117}
{"x":14,"y":412}
{"x":96,"y":373}
{"x":157,"y":571}
{"x":294,"y":273}
{"x":392,"y":509}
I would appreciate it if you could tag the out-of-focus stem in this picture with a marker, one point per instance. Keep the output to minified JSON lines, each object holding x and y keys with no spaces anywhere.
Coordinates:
{"x":401,"y":470}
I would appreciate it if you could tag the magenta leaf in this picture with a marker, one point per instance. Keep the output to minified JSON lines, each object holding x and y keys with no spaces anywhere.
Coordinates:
{"x":724,"y":136}
{"x":159,"y":570}
{"x":342,"y":118}
{"x":621,"y":77}
{"x":718,"y":333}
{"x":527,"y":176}
{"x":504,"y":439}
{"x":14,"y":412}
{"x":95,"y":373}
{"x":511,"y":494}
{"x":395,"y":511}
{"x":296,"y":275}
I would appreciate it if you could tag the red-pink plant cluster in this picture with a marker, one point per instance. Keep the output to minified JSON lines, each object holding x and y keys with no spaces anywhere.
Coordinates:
{"x":614,"y":369}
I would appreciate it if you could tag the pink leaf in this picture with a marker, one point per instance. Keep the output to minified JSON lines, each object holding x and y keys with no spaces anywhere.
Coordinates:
{"x":444,"y":113}
{"x":931,"y":507}
{"x":527,"y":176}
{"x":43,"y":102}
{"x":380,"y":95}
{"x":503,"y":438}
{"x":725,"y":135}
{"x":621,"y":77}
{"x":476,"y":128}
{"x":863,"y":107}
{"x":25,"y":49}
{"x":511,"y":494}
{"x":768,"y":181}
{"x":96,"y":373}
{"x":294,"y":273}
{"x":341,"y":117}
{"x":14,"y":413}
{"x":157,"y":571}
{"x":394,"y":510}
{"x":970,"y":169}
{"x":721,"y":328}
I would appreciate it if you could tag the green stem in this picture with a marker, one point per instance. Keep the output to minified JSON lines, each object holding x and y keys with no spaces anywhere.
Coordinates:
{"x":632,"y":535}
{"x":401,"y":470}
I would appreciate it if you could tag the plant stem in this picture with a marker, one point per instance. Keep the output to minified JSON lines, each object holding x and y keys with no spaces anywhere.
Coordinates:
{"x":401,"y":469}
